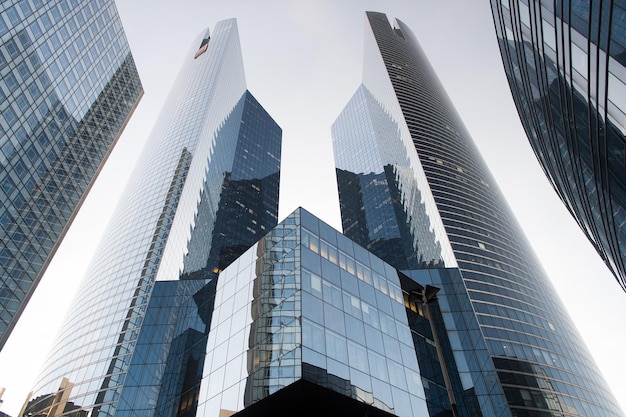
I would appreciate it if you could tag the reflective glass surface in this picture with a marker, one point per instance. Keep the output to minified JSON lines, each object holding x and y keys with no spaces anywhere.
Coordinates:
{"x":472,"y":375}
{"x":305,"y":303}
{"x":68,"y":85}
{"x":543,"y":366}
{"x":566,"y":69}
{"x":568,"y":86}
{"x":239,"y":204}
{"x":379,"y":173}
{"x":163,"y":239}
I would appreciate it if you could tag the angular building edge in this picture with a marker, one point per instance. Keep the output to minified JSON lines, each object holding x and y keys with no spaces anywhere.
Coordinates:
{"x":5,"y":336}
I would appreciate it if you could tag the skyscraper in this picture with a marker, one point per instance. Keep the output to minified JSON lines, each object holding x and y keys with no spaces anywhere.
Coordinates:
{"x":565,"y":63}
{"x":412,"y":161}
{"x":205,"y":189}
{"x":68,"y":87}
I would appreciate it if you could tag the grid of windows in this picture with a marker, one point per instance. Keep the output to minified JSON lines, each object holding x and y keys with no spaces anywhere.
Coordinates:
{"x":382,"y":174}
{"x":149,"y":234}
{"x":238,"y":205}
{"x":68,"y":85}
{"x":290,"y":309}
{"x":532,"y":342}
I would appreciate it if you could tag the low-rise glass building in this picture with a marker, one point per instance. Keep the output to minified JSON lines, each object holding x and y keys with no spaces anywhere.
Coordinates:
{"x":307,"y":320}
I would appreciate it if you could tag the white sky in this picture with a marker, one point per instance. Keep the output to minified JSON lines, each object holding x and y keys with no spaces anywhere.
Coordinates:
{"x":303,"y":62}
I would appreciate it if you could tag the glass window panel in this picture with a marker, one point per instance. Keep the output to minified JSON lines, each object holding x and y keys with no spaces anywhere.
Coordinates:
{"x":337,"y":368}
{"x":363,"y":381}
{"x":349,"y":283}
{"x":355,"y":330}
{"x":336,"y":347}
{"x":333,"y":318}
{"x":313,"y":358}
{"x":388,"y":325}
{"x":312,"y":308}
{"x":313,"y":336}
{"x":370,"y":315}
{"x":374,"y":339}
{"x":378,"y":366}
{"x":397,"y":376}
{"x":367,"y":293}
{"x":357,"y":356}
{"x":332,"y":294}
{"x":346,"y":262}
{"x":617,"y":92}
{"x":364,"y":273}
{"x":311,"y":283}
{"x":579,"y":59}
{"x":311,"y":261}
{"x":401,"y":402}
{"x":352,"y":305}
{"x":382,"y":393}
{"x":215,"y":382}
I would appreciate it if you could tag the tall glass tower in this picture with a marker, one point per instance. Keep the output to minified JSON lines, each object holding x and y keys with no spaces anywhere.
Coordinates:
{"x":415,"y":191}
{"x":204,"y":190}
{"x":566,"y":65}
{"x":68,"y":86}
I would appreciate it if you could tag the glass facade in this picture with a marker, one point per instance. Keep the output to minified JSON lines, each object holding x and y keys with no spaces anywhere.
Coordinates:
{"x":565,"y":62}
{"x":307,"y":304}
{"x":68,"y":85}
{"x":542,"y":366}
{"x":384,"y":175}
{"x":238,"y":205}
{"x":205,"y":189}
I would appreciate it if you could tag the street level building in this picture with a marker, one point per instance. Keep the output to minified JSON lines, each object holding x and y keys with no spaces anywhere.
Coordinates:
{"x":68,"y":85}
{"x":308,"y":323}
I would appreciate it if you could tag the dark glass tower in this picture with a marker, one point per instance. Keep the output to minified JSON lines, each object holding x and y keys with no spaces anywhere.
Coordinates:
{"x":565,"y":62}
{"x":68,"y":86}
{"x":542,"y":366}
{"x":205,"y":189}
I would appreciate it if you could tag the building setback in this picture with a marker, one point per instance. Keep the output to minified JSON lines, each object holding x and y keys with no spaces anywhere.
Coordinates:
{"x":205,"y":190}
{"x":565,"y":63}
{"x":68,"y":87}
{"x":404,"y":158}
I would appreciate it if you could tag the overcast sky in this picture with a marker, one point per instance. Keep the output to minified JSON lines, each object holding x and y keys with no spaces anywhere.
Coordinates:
{"x":303,"y":62}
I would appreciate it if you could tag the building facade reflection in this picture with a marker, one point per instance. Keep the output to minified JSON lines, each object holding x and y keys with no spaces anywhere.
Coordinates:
{"x":565,"y":63}
{"x":239,"y":203}
{"x":68,"y":87}
{"x":501,"y":285}
{"x":306,"y":307}
{"x":205,"y":189}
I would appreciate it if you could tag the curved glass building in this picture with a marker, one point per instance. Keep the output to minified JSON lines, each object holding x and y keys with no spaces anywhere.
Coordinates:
{"x":68,"y":85}
{"x":205,"y":189}
{"x":411,"y":139}
{"x":565,"y":62}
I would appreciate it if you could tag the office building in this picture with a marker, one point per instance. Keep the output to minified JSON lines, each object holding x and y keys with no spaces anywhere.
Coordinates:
{"x":404,"y":158}
{"x":386,"y":205}
{"x":565,"y":63}
{"x":205,"y":189}
{"x":68,"y":87}
{"x":308,"y":323}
